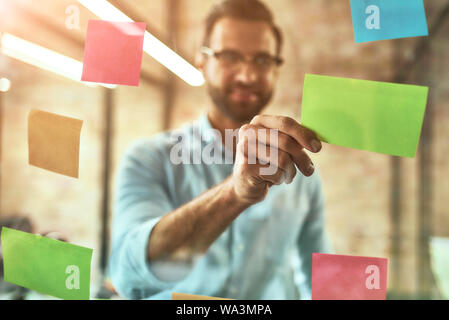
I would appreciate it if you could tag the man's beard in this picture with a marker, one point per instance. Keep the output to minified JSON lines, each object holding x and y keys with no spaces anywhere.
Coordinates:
{"x":243,"y":111}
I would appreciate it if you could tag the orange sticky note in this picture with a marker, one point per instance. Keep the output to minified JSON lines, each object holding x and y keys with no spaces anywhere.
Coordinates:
{"x":186,"y":296}
{"x":53,"y":142}
{"x":113,"y":52}
{"x":340,"y":277}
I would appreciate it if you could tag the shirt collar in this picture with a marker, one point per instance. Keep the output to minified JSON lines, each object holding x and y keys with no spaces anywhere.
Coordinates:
{"x":206,"y":129}
{"x":209,"y":135}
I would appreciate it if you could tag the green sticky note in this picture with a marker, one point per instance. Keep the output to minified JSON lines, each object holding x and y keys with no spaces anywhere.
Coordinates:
{"x":367,"y":115}
{"x":49,"y":266}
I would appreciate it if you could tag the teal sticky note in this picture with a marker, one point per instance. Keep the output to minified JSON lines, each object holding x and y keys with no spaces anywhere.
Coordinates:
{"x":375,"y":20}
{"x":49,"y":266}
{"x":367,"y":115}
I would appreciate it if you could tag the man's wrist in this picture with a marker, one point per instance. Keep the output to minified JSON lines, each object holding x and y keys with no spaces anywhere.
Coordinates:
{"x":232,"y":196}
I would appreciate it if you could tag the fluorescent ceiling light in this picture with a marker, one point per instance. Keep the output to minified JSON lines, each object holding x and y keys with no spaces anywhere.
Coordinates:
{"x":43,"y":58}
{"x":154,"y":47}
{"x":5,"y":84}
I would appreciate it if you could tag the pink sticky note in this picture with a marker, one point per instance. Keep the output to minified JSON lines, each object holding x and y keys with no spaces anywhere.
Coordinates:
{"x":339,"y":277}
{"x":113,"y":52}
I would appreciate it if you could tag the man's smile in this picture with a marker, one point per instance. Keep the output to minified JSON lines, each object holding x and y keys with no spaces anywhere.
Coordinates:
{"x":243,"y":95}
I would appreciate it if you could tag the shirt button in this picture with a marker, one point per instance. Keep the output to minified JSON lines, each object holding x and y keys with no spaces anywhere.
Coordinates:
{"x":233,"y":290}
{"x":240,"y":247}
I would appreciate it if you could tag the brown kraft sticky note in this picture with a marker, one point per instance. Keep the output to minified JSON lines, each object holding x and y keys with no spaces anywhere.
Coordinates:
{"x":186,"y":296}
{"x":53,"y":142}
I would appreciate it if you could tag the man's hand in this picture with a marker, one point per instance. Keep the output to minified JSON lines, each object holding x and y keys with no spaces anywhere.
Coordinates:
{"x":268,"y":150}
{"x":194,"y":226}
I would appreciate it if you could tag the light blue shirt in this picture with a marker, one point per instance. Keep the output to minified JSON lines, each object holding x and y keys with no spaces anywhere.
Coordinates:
{"x":266,"y":253}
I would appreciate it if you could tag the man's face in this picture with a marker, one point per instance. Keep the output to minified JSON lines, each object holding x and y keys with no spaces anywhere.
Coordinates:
{"x":240,"y":90}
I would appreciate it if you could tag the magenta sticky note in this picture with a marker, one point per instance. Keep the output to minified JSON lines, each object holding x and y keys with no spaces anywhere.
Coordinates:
{"x":341,"y":277}
{"x":113,"y":52}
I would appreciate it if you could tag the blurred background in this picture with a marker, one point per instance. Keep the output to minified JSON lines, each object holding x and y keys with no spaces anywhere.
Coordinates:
{"x":377,"y":205}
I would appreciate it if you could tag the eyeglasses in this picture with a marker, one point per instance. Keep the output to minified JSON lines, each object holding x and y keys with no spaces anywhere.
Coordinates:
{"x":230,"y":58}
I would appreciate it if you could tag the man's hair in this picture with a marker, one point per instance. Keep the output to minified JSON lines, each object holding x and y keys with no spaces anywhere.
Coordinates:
{"x":251,"y":10}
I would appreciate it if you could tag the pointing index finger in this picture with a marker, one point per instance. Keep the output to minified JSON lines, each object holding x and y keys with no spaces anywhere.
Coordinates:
{"x":302,"y":135}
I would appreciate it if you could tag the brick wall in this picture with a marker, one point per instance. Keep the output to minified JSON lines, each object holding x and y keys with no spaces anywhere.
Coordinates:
{"x":319,"y":39}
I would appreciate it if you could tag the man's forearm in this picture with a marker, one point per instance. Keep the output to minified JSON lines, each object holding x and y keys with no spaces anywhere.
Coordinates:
{"x":196,"y":225}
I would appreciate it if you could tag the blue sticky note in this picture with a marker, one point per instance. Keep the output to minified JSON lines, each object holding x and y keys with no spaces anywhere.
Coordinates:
{"x":375,"y":20}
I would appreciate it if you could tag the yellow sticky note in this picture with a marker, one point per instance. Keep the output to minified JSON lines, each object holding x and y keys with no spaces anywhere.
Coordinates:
{"x":53,"y":142}
{"x":186,"y":296}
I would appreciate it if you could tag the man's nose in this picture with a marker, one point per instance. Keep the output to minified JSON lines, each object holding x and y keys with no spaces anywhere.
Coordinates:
{"x":246,"y":73}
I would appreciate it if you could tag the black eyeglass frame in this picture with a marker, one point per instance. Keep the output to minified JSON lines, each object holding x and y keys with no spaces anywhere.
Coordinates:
{"x":278,"y":61}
